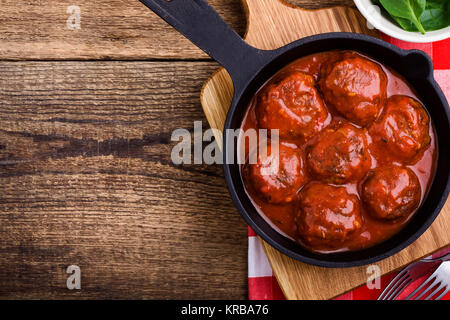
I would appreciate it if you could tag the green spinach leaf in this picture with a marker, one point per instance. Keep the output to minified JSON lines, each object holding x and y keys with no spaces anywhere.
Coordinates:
{"x":418,"y":15}
{"x":406,"y":10}
{"x":436,"y":15}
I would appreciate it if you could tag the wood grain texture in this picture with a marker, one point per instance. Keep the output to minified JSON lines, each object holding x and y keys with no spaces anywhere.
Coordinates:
{"x":86,"y":178}
{"x":267,"y":31}
{"x":114,"y":29}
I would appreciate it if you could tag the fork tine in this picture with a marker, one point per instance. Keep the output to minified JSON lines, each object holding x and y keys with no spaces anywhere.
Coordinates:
{"x":396,"y":286}
{"x":400,"y":288}
{"x":439,"y":288}
{"x":391,"y":285}
{"x":412,"y":294}
{"x":428,"y":289}
{"x":442,"y":294}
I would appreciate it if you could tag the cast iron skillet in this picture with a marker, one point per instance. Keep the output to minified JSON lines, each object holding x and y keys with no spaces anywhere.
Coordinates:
{"x":250,"y":68}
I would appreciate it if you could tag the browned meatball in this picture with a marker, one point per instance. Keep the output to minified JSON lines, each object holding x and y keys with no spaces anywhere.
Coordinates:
{"x":293,"y":106}
{"x":327,"y":214}
{"x":403,"y":129}
{"x":356,"y":87}
{"x":278,"y":184}
{"x":340,"y":154}
{"x":391,"y":192}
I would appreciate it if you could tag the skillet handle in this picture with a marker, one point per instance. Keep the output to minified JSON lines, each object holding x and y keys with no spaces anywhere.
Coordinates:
{"x":198,"y":22}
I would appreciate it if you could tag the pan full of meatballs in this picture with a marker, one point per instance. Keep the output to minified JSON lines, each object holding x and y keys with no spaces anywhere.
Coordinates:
{"x":356,"y":157}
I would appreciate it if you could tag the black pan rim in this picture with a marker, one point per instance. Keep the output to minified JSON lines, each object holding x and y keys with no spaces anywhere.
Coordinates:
{"x":316,"y":260}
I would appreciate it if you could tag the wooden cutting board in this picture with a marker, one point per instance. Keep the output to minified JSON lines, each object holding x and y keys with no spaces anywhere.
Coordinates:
{"x":272,"y":24}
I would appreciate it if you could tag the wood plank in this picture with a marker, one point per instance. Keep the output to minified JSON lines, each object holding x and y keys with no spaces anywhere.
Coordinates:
{"x":87,"y":179}
{"x":115,"y":29}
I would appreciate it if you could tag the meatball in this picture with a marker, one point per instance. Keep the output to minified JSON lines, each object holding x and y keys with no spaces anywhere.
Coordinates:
{"x":403,"y":129}
{"x":355,"y":87}
{"x":278,"y":177}
{"x":293,"y":106}
{"x":327,"y":214}
{"x":391,"y":192}
{"x":340,"y":154}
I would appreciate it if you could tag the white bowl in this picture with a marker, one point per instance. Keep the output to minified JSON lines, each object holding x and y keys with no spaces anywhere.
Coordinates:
{"x":377,"y":19}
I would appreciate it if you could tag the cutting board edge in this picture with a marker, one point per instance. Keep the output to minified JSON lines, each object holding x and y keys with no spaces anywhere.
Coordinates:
{"x":287,"y":295}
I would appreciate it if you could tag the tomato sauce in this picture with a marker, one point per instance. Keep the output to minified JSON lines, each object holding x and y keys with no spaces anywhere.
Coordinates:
{"x":284,"y":216}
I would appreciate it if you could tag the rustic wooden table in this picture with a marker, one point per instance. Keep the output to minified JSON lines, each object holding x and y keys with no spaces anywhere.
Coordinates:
{"x":86,"y":117}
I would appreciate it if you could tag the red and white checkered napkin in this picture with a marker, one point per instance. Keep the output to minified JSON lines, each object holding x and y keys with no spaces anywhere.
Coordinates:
{"x":262,"y":284}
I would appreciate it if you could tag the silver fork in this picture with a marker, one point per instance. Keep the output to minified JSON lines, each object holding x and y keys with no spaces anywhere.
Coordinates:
{"x":440,"y":279}
{"x":409,"y":275}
